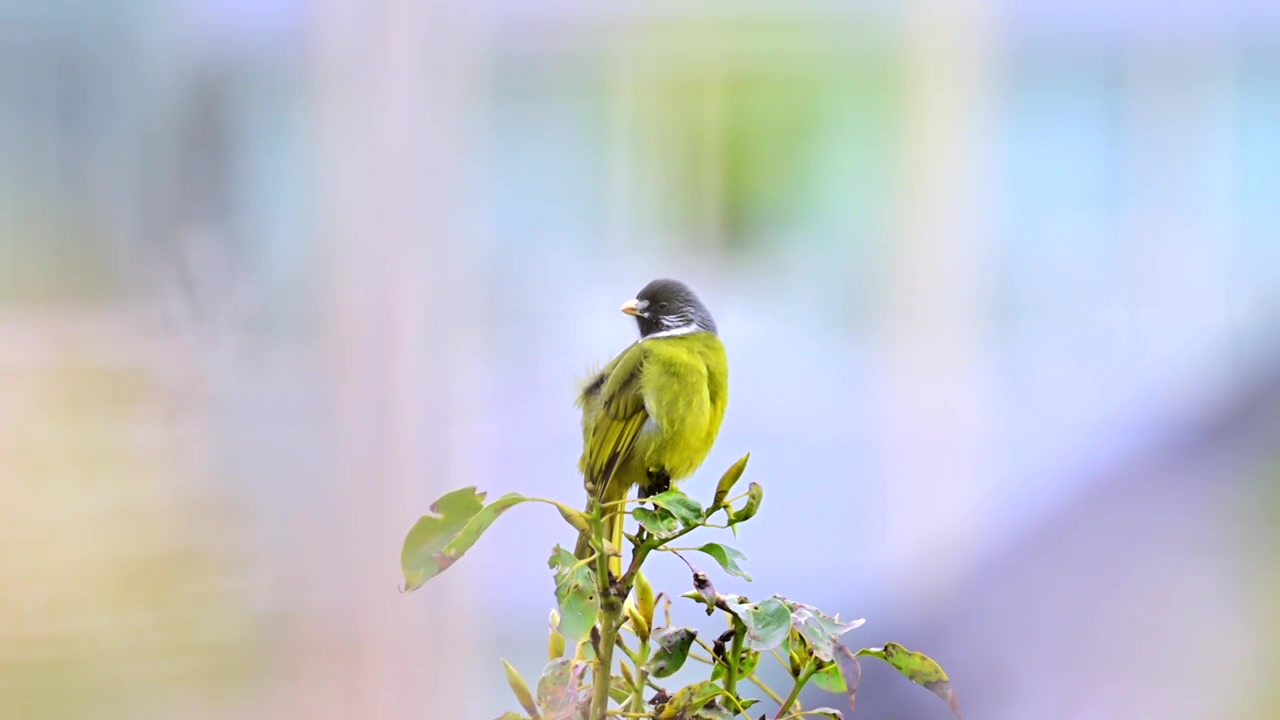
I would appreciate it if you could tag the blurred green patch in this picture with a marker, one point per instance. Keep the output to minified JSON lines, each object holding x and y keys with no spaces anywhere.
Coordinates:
{"x":773,"y":125}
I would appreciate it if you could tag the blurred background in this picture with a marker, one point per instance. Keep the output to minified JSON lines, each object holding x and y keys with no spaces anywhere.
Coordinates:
{"x":999,"y":284}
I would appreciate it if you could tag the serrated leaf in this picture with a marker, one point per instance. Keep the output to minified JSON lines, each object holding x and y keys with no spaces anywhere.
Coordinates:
{"x":918,"y":668}
{"x":672,"y":650}
{"x":728,"y":557}
{"x":521,"y":690}
{"x":575,"y":594}
{"x":560,"y":689}
{"x":767,"y":622}
{"x":729,"y":479}
{"x":755,"y":495}
{"x":684,"y":508}
{"x":660,"y":522}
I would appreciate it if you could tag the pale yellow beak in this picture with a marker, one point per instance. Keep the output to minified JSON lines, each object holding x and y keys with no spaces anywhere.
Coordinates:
{"x":634,"y":307}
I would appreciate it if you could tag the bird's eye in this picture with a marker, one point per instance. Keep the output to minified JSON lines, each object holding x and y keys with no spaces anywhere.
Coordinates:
{"x":662,"y":305}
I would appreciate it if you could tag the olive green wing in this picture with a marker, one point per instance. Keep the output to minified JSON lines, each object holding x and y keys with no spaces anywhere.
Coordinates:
{"x":613,"y":413}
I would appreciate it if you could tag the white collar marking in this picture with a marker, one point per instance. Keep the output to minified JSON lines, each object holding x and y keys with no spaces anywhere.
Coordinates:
{"x":682,"y":330}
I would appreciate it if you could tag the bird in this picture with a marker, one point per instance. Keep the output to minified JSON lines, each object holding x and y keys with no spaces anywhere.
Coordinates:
{"x":651,"y":416}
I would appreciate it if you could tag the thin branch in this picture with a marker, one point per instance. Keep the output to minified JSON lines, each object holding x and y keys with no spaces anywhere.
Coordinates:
{"x":765,"y":688}
{"x":809,"y":669}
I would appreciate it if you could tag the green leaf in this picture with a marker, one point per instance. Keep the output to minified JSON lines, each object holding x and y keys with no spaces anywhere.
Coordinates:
{"x":688,"y":700}
{"x":521,"y":690}
{"x":820,"y":631}
{"x":618,"y":691}
{"x":509,"y":715}
{"x":660,"y":522}
{"x":686,"y":509}
{"x":755,"y":495}
{"x":559,"y":689}
{"x":576,"y":518}
{"x":918,"y":668}
{"x":555,"y":641}
{"x":850,"y":672}
{"x":435,"y":542}
{"x":830,"y":679}
{"x":639,"y":625}
{"x":645,"y":601}
{"x":561,"y":560}
{"x":713,"y":711}
{"x":728,"y":557}
{"x":768,"y":623}
{"x":423,"y":554}
{"x":700,"y":598}
{"x":729,"y":479}
{"x":575,"y":594}
{"x":724,"y":705}
{"x":826,"y":713}
{"x":579,"y":608}
{"x":673,"y":649}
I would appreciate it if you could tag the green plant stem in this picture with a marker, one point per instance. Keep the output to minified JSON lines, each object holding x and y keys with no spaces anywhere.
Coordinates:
{"x":610,"y":621}
{"x":731,"y":663}
{"x":602,"y":676}
{"x":642,"y":553}
{"x":611,"y":604}
{"x":800,"y":682}
{"x":642,"y":677}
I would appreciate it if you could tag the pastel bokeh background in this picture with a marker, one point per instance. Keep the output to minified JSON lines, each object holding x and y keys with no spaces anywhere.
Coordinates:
{"x":999,"y":283}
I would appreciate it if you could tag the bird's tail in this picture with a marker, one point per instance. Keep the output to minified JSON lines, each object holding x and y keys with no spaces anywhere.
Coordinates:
{"x":613,"y":519}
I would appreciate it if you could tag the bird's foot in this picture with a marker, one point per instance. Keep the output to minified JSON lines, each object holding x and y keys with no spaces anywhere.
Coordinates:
{"x":659,"y":482}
